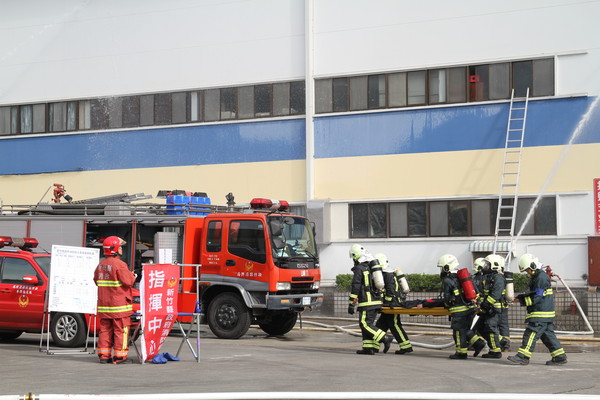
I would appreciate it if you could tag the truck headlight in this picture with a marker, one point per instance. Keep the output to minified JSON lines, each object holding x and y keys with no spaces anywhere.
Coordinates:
{"x":316,"y":285}
{"x":283,"y":286}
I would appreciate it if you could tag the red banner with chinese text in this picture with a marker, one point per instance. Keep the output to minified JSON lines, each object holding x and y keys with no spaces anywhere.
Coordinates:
{"x":596,"y":192}
{"x":158,"y":290}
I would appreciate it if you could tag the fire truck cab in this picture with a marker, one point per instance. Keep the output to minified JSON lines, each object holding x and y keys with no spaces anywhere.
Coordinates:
{"x":260,"y":266}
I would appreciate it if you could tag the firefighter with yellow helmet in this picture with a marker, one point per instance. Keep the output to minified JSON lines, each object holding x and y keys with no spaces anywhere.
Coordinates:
{"x":540,"y":314}
{"x":365,"y":296}
{"x":461,"y":311}
{"x":491,"y":304}
{"x":395,"y":291}
{"x":477,"y":276}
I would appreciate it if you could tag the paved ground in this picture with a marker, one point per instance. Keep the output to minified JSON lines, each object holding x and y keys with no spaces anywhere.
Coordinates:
{"x":304,"y":360}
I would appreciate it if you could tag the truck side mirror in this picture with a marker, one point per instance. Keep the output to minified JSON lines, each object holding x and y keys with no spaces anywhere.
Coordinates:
{"x":314,"y":229}
{"x":276,"y":227}
{"x":30,"y":279}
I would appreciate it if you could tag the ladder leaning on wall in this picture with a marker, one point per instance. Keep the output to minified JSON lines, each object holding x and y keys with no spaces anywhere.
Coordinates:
{"x":511,"y":171}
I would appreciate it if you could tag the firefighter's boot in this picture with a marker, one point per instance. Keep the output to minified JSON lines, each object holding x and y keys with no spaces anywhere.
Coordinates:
{"x":478,"y":346}
{"x":369,"y":352}
{"x":458,"y":356}
{"x":404,"y":351}
{"x":518,"y":360}
{"x":557,"y":361}
{"x":387,"y":342}
{"x":492,"y":354}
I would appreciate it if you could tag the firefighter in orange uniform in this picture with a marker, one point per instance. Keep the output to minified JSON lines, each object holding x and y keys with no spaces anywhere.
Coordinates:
{"x":115,"y":302}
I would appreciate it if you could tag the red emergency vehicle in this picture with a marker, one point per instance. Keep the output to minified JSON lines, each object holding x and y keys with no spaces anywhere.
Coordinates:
{"x":24,"y":275}
{"x":258,"y":263}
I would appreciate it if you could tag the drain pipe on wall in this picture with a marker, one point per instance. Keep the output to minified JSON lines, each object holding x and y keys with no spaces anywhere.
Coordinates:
{"x":309,"y":99}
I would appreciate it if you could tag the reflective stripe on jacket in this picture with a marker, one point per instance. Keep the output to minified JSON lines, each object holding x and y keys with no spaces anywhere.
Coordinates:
{"x":453,"y":298}
{"x":114,"y":281}
{"x":540,"y":299}
{"x":362,"y":288}
{"x":494,"y":286}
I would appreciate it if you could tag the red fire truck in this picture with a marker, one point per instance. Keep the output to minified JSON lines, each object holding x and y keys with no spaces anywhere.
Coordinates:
{"x":258,"y":264}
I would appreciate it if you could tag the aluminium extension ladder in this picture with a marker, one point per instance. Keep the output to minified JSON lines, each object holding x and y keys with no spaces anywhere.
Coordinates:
{"x":511,"y":171}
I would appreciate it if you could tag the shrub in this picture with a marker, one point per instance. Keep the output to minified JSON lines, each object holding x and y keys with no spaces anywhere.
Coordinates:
{"x":424,"y":282}
{"x":343,"y":282}
{"x":521,"y":282}
{"x":428,"y":282}
{"x":417,"y":282}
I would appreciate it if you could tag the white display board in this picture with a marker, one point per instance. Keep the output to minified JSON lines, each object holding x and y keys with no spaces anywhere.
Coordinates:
{"x":72,"y":287}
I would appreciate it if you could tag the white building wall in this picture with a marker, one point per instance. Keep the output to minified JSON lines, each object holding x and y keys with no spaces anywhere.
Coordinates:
{"x":80,"y":49}
{"x":353,"y":37}
{"x":68,"y":49}
{"x":575,"y":213}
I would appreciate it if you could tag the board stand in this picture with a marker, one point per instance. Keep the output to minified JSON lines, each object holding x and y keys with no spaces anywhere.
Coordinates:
{"x":137,"y":333}
{"x":196,"y":316}
{"x":45,"y":335}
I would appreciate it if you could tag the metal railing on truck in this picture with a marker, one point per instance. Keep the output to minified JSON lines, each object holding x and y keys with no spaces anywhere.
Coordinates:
{"x":116,"y":209}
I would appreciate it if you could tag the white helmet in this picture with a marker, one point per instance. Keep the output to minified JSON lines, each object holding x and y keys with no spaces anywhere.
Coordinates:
{"x":529,"y":261}
{"x":384,"y":262}
{"x":478,"y":264}
{"x":357,"y":251}
{"x":496,"y":262}
{"x":448,"y":263}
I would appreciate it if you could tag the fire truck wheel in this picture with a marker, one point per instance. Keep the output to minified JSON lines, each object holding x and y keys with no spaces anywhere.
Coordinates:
{"x":68,"y":330}
{"x":228,"y":316}
{"x":279,"y":324}
{"x":10,"y":335}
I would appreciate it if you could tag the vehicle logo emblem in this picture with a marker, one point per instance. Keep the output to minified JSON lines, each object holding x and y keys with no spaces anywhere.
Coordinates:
{"x":23,"y":301}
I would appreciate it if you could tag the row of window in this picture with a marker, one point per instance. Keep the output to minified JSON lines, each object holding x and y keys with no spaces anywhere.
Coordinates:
{"x":392,"y":90}
{"x":436,"y":86}
{"x":258,"y":101}
{"x":447,"y":218}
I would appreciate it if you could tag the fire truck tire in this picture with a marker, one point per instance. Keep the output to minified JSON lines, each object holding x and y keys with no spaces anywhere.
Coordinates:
{"x":279,"y":324}
{"x":228,"y":316}
{"x":10,"y":335}
{"x":68,"y":330}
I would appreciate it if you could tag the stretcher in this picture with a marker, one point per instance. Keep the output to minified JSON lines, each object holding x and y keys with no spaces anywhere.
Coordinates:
{"x":415,"y":311}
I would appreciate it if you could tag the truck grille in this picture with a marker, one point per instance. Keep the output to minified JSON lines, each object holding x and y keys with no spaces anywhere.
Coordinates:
{"x":301,"y":287}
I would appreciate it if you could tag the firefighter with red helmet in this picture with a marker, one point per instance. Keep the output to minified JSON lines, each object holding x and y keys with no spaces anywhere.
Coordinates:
{"x":115,"y":302}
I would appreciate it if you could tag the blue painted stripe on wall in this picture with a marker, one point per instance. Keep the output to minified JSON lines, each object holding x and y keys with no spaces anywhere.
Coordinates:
{"x":177,"y":146}
{"x":549,"y":122}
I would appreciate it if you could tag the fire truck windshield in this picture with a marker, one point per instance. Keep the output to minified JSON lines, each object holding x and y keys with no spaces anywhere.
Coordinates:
{"x":292,"y":237}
